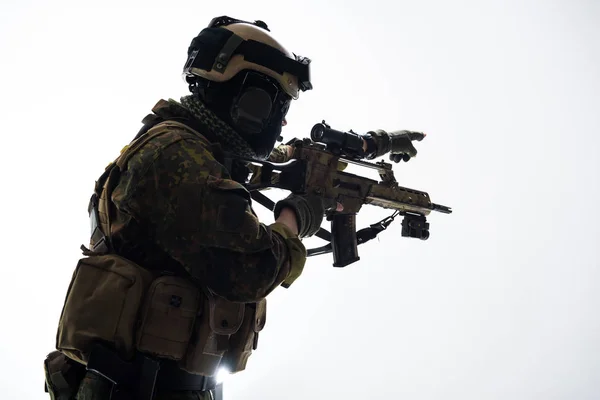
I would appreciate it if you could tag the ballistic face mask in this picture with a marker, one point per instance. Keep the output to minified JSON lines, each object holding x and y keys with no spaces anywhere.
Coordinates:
{"x":258,"y":101}
{"x":247,"y":77}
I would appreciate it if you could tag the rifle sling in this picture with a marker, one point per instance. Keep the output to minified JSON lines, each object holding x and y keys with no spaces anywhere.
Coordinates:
{"x":362,"y":236}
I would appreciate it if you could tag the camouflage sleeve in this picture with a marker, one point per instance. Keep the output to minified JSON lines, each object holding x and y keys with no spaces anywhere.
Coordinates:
{"x":202,"y":219}
{"x":278,"y":155}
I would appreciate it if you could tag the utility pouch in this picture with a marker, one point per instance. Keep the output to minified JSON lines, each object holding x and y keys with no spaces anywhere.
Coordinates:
{"x":245,"y":339}
{"x":169,"y":312}
{"x":63,"y":376}
{"x":102,"y":304}
{"x":220,"y":319}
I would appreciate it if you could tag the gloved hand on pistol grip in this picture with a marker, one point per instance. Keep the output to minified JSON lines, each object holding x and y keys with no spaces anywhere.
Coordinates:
{"x":309,"y":210}
{"x":397,"y":143}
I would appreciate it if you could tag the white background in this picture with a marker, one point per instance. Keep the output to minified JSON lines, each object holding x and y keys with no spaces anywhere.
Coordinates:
{"x":500,"y":303}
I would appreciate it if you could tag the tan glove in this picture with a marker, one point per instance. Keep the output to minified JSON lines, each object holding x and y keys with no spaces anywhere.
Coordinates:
{"x":397,"y":143}
{"x":309,"y":210}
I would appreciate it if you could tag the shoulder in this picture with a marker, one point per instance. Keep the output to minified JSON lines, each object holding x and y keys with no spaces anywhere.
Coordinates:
{"x":168,"y":145}
{"x":169,"y":160}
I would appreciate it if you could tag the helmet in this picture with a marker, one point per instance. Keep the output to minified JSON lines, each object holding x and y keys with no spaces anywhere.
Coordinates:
{"x":228,"y":46}
{"x":246,"y":77}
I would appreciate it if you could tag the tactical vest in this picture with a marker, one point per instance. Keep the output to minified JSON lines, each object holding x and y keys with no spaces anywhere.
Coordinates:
{"x":129,"y":308}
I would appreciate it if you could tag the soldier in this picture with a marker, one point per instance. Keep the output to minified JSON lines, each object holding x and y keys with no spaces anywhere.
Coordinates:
{"x":173,"y":284}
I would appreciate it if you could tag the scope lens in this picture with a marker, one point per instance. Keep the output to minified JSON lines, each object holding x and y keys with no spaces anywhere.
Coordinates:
{"x":317,"y":132}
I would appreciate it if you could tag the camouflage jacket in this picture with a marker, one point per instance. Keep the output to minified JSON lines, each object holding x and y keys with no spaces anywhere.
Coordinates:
{"x":175,"y":207}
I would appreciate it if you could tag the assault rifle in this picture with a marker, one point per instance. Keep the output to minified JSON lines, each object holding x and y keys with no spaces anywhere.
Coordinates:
{"x":314,"y":168}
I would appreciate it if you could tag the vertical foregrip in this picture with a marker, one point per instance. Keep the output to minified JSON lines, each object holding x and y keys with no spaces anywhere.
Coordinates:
{"x":343,"y":239}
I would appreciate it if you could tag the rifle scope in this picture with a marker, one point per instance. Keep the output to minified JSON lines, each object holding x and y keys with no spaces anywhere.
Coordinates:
{"x":346,"y":142}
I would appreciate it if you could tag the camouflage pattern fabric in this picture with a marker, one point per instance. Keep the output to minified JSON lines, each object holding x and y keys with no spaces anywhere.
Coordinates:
{"x":280,"y":154}
{"x":94,"y":387}
{"x":177,"y":206}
